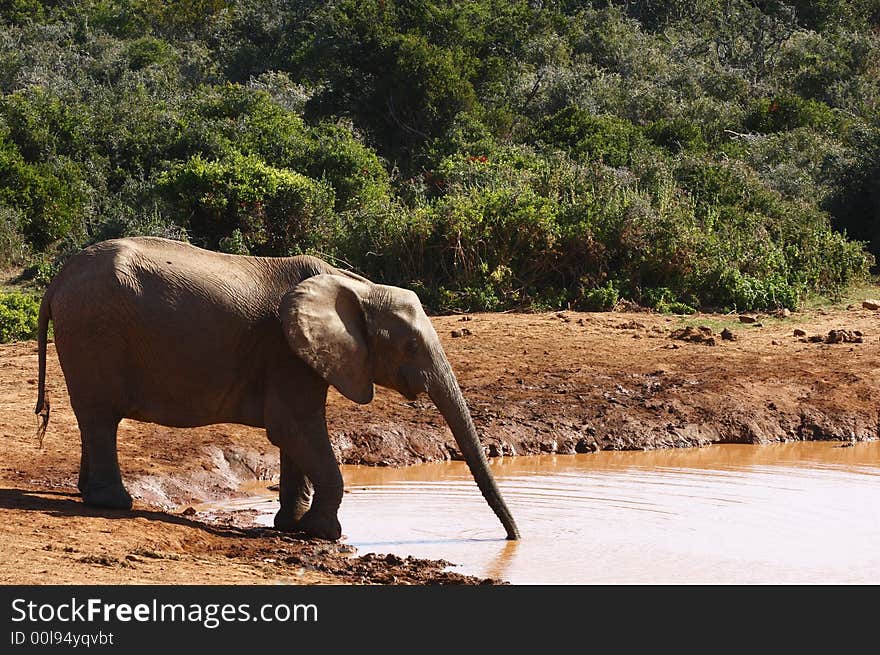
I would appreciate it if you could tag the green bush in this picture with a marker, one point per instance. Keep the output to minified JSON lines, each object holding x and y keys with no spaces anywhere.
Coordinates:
{"x":14,"y":250}
{"x":609,"y":139}
{"x":18,"y":317}
{"x":149,"y":51}
{"x":676,"y":135}
{"x":497,"y":239}
{"x":50,"y":197}
{"x":242,"y":200}
{"x":787,"y":112}
{"x":599,"y":299}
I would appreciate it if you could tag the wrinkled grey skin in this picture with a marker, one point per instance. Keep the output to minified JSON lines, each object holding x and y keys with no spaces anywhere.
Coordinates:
{"x":163,"y":332}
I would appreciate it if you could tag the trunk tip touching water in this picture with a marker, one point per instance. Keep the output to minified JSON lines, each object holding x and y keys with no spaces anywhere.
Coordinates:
{"x":450,"y":401}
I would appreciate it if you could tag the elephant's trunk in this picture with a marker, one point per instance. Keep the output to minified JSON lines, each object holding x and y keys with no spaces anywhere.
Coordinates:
{"x":447,"y":396}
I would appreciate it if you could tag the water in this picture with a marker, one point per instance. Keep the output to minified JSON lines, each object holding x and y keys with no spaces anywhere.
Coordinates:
{"x":790,"y":513}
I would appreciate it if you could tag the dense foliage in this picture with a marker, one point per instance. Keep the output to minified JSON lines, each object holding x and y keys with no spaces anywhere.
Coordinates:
{"x":488,"y":154}
{"x":18,"y":317}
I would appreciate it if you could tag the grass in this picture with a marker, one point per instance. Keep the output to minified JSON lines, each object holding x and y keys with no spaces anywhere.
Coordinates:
{"x":853,"y":295}
{"x":812,"y":305}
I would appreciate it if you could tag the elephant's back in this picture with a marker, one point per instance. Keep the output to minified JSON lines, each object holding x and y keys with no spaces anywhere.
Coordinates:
{"x":150,"y":273}
{"x":166,"y":324}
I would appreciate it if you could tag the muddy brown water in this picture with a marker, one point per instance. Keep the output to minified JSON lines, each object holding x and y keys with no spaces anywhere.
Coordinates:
{"x":731,"y":514}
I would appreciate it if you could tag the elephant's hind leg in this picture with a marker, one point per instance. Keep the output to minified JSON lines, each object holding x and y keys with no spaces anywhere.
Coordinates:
{"x":103,"y":480}
{"x":295,"y":493}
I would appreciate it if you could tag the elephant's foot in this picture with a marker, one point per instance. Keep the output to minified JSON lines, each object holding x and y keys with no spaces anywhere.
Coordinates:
{"x":322,"y":526}
{"x":111,"y":496}
{"x":286,"y":521}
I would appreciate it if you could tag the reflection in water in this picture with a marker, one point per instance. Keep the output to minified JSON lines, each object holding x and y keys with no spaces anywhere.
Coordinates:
{"x":497,"y":568}
{"x":788,"y":513}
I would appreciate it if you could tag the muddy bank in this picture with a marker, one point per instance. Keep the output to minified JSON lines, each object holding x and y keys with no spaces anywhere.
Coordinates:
{"x":539,"y":383}
{"x":569,"y":382}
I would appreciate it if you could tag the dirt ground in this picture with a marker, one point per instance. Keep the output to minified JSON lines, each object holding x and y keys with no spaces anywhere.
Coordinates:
{"x":554,"y":383}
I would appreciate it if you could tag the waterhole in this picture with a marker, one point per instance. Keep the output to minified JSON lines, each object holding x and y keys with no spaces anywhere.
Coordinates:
{"x":729,"y":514}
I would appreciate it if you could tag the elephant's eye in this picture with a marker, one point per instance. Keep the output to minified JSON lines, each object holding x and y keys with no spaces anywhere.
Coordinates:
{"x":412,"y":346}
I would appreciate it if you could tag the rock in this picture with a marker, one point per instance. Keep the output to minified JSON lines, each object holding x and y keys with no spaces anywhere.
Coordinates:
{"x":586,"y":446}
{"x":745,"y":318}
{"x":871,"y":304}
{"x":843,"y":336}
{"x":850,"y":307}
{"x":694,"y":335}
{"x":465,"y":332}
{"x":816,"y":338}
{"x":456,"y":334}
{"x":567,"y":447}
{"x":782,"y":313}
{"x":834,"y":336}
{"x":728,"y":335}
{"x":189,"y":511}
{"x":464,"y":318}
{"x":775,"y":343}
{"x":757,"y":325}
{"x":799,"y":333}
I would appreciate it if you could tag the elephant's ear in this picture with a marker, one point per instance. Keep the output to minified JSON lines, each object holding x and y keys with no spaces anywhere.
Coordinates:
{"x":325,"y":326}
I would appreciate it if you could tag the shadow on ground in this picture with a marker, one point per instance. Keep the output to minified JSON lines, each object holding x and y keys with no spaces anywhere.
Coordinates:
{"x":66,"y":503}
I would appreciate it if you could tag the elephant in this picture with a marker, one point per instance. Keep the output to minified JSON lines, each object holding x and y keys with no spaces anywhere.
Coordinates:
{"x":164,"y":332}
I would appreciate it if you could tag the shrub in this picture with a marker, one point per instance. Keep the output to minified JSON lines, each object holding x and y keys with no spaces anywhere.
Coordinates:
{"x":664,"y":300}
{"x":499,"y":239}
{"x":676,"y":135}
{"x":334,"y":155}
{"x":14,"y":250}
{"x":787,"y":112}
{"x":599,"y":299}
{"x":18,"y":317}
{"x":50,"y":196}
{"x":149,"y":51}
{"x":608,"y":139}
{"x":270,"y":211}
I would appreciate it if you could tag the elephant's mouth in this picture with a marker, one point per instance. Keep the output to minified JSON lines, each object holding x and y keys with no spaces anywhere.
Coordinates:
{"x":410,"y":382}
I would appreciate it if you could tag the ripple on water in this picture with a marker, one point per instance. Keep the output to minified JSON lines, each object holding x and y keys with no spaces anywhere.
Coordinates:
{"x":791,"y":513}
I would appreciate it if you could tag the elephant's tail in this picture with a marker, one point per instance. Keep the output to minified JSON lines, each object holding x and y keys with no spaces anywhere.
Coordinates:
{"x":42,"y":409}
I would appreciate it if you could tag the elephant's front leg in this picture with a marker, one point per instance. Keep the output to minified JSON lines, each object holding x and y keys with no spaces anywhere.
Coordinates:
{"x":295,"y":493}
{"x":315,"y":457}
{"x":308,"y":473}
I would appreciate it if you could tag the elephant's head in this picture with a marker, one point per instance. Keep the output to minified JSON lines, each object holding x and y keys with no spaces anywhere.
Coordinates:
{"x":355,"y":334}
